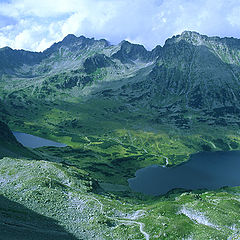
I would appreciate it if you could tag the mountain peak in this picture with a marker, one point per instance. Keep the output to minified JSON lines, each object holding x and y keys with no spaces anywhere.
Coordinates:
{"x":191,"y":37}
{"x":6,"y":49}
{"x":125,"y":42}
{"x":130,"y":52}
{"x":188,"y":33}
{"x":69,"y":37}
{"x":198,"y":39}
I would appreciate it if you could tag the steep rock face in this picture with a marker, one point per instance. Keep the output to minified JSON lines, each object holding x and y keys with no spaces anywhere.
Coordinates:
{"x":91,"y":64}
{"x":66,"y":54}
{"x":11,"y":59}
{"x":220,"y":46}
{"x":75,"y":44}
{"x":6,"y":134}
{"x":10,"y":147}
{"x":191,"y":70}
{"x":197,"y":71}
{"x":156,"y":52}
{"x":129,"y":53}
{"x":196,"y":74}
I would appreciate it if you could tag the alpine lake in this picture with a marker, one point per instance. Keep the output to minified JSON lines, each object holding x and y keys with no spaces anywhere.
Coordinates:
{"x":31,"y":141}
{"x":205,"y":170}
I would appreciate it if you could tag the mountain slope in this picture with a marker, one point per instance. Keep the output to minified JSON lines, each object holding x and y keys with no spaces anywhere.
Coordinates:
{"x":10,"y":147}
{"x":124,"y":107}
{"x":191,"y":68}
{"x":18,"y":223}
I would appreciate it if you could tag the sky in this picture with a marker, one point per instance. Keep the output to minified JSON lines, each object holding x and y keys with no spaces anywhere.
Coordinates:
{"x":36,"y":24}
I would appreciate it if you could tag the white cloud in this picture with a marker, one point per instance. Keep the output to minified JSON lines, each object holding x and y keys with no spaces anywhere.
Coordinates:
{"x":37,"y":24}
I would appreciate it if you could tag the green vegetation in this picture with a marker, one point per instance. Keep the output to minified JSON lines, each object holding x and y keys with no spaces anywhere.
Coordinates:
{"x":76,"y":202}
{"x":112,"y":144}
{"x":118,"y":108}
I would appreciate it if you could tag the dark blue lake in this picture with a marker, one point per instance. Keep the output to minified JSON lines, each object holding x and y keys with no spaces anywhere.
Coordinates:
{"x":31,"y":141}
{"x":207,"y":170}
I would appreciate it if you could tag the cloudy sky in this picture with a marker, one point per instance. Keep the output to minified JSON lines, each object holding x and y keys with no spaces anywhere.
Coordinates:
{"x":36,"y":24}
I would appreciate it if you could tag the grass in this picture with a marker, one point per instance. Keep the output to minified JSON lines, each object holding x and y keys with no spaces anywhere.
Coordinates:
{"x":111,"y":144}
{"x":108,"y":142}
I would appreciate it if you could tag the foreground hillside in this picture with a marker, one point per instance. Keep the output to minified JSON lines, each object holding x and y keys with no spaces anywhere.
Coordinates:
{"x":52,"y":201}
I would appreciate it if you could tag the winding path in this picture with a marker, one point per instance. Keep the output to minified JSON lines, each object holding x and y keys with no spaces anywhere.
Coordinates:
{"x":141,"y":226}
{"x":124,"y":221}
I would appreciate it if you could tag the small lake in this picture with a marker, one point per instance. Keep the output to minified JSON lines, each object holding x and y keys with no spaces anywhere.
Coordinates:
{"x":207,"y":170}
{"x":31,"y":141}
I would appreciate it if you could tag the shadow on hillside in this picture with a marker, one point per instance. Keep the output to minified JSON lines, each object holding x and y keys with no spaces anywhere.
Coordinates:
{"x":19,"y":223}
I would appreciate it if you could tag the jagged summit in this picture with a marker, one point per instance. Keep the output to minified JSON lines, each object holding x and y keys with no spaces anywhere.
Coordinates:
{"x":70,"y":37}
{"x":202,"y":71}
{"x":6,"y":49}
{"x":198,"y":39}
{"x":192,"y":37}
{"x":130,"y":52}
{"x":75,"y":44}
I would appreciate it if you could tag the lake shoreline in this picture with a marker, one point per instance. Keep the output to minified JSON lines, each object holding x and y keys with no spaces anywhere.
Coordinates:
{"x":221,"y":171}
{"x":32,"y":141}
